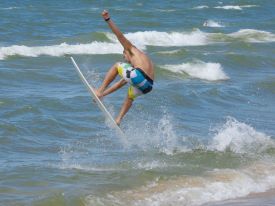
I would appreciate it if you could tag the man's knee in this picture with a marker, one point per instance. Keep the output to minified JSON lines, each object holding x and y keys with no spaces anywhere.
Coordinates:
{"x":117,"y":64}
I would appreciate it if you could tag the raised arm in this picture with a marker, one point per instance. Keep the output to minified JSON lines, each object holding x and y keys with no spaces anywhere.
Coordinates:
{"x":122,"y":39}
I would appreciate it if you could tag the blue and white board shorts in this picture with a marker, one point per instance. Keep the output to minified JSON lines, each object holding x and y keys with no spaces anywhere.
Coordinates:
{"x":140,"y":82}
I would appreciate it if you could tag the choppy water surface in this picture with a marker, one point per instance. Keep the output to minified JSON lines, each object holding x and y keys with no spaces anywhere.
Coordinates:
{"x":206,"y":132}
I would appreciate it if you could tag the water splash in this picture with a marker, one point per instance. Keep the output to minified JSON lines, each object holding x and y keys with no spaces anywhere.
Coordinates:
{"x":239,"y":137}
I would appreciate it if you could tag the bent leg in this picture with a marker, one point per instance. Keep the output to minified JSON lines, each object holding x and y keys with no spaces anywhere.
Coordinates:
{"x":133,"y":93}
{"x":109,"y":77}
{"x":125,"y":108}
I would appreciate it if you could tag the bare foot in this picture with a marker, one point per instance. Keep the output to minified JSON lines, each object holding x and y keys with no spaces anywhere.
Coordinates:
{"x":118,"y":122}
{"x":99,"y":94}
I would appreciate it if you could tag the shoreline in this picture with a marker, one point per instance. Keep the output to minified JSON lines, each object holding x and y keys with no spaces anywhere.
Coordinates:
{"x":254,"y":199}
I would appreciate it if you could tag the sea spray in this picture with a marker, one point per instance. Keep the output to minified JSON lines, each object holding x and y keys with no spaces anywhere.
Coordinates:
{"x":167,"y":137}
{"x":239,"y":137}
{"x":151,"y":133}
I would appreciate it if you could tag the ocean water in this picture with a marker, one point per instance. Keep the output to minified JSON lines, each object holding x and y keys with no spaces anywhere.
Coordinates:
{"x":205,"y":134}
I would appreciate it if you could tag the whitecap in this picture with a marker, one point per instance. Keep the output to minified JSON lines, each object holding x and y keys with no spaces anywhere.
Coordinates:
{"x":234,"y":7}
{"x":229,"y":7}
{"x":201,"y":70}
{"x":211,"y":23}
{"x":170,"y":52}
{"x":201,"y":7}
{"x":140,"y":40}
{"x":61,"y":49}
{"x":156,"y":38}
{"x":10,"y":8}
{"x":240,"y":138}
{"x":252,"y":35}
{"x":215,"y":185}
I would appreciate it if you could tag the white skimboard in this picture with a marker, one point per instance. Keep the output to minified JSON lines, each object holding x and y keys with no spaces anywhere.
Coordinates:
{"x":100,"y":104}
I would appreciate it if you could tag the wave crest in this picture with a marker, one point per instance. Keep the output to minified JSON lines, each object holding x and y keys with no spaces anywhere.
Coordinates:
{"x":156,"y":38}
{"x":240,"y":138}
{"x":141,"y":40}
{"x":211,"y":23}
{"x":234,"y":7}
{"x":216,"y":185}
{"x":200,"y":70}
{"x":252,"y":35}
{"x":61,"y":49}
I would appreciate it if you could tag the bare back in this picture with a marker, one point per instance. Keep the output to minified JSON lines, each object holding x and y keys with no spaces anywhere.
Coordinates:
{"x":140,"y":60}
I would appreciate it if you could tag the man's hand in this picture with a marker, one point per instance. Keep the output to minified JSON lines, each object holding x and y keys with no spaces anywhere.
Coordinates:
{"x":105,"y":15}
{"x":121,"y":38}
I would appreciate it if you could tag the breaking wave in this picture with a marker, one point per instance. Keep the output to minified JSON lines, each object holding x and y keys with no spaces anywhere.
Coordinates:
{"x":212,"y":185}
{"x":226,"y":7}
{"x":141,"y":40}
{"x":200,"y":70}
{"x":236,"y":7}
{"x":252,"y":35}
{"x":239,"y":137}
{"x":60,"y":50}
{"x":156,"y":38}
{"x":201,"y":7}
{"x":10,"y":8}
{"x":211,"y":23}
{"x":216,"y":185}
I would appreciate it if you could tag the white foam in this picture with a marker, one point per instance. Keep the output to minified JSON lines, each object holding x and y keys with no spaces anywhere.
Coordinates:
{"x":61,"y":49}
{"x":165,"y":135}
{"x":139,"y":39}
{"x":200,"y":70}
{"x":240,"y":138}
{"x":234,"y":7}
{"x":252,"y":35}
{"x":249,"y":6}
{"x":169,"y":52}
{"x":229,"y":7}
{"x":10,"y":8}
{"x":151,"y":165}
{"x":71,"y":159}
{"x":166,"y":10}
{"x":86,"y":168}
{"x":161,"y":137}
{"x":201,"y":7}
{"x":194,"y":38}
{"x":156,"y":38}
{"x":219,"y":185}
{"x":216,"y":185}
{"x":211,"y":23}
